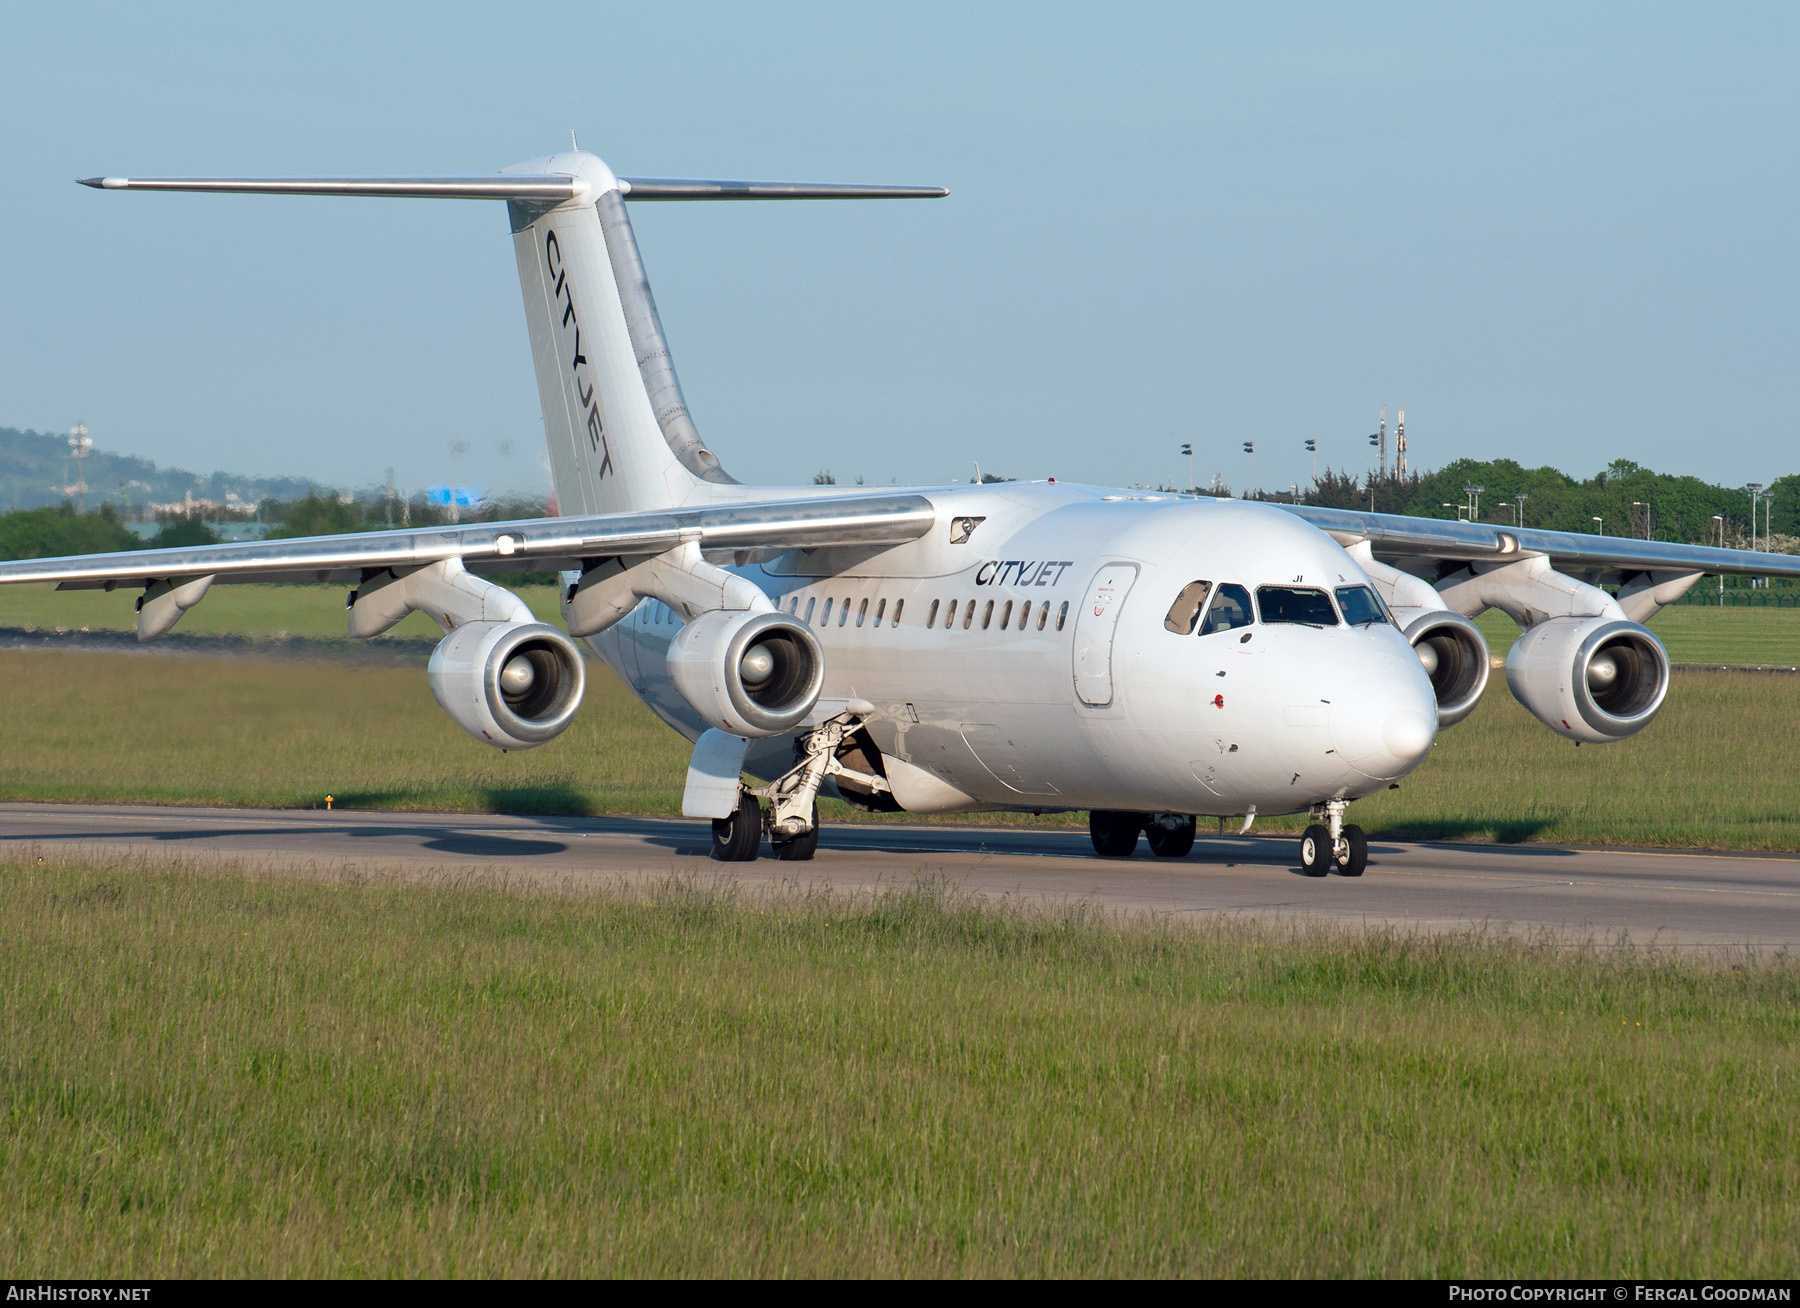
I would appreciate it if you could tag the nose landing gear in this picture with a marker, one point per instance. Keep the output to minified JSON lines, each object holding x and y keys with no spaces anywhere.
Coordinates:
{"x":1334,"y":847}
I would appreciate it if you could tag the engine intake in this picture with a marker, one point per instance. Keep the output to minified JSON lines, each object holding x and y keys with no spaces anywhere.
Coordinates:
{"x":512,"y":685}
{"x":1590,"y":679}
{"x":752,"y":674}
{"x":1455,"y":656}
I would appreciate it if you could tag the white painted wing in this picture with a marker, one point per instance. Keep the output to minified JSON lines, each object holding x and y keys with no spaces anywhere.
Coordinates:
{"x":530,"y":545}
{"x":1607,"y":557}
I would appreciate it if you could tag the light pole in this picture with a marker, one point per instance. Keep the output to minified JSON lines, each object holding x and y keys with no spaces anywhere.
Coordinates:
{"x":1601,"y":529}
{"x":1312,"y":448}
{"x":1720,"y":519}
{"x":1521,"y":497}
{"x":1768,"y":499}
{"x":1187,"y":448}
{"x":1639,"y":504}
{"x":1754,"y":487}
{"x":1250,"y":449}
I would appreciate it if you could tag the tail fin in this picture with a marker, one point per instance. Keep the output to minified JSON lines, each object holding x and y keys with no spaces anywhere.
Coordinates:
{"x":618,"y":427}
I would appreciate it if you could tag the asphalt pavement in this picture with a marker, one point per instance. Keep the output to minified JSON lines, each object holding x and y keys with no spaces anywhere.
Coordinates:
{"x":1664,"y":897}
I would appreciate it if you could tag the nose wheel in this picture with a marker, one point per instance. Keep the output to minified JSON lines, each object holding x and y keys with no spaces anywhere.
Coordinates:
{"x":1336,"y":847}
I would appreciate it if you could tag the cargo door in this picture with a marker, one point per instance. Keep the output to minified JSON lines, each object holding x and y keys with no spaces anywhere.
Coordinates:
{"x":1095,"y":623}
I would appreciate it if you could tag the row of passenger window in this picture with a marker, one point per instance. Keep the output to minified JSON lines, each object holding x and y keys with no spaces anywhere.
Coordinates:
{"x":843,"y":610}
{"x":1302,"y":605}
{"x":658,"y":614}
{"x":1006,"y":615}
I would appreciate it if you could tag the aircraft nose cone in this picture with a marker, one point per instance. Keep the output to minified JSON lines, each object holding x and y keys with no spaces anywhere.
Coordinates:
{"x":1385,"y":723}
{"x":1408,"y":735}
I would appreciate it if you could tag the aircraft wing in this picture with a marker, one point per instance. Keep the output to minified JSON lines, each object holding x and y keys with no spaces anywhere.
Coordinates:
{"x":530,"y":545}
{"x":1402,"y":540}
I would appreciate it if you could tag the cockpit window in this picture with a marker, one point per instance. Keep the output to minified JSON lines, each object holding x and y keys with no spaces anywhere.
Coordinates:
{"x":1185,"y":611}
{"x":1300,"y":604}
{"x":1359,"y":605}
{"x":1230,"y":608}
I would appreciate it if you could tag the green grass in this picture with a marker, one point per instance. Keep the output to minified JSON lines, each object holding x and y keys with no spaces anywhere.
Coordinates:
{"x":1716,"y":769}
{"x":100,"y":727}
{"x":1695,"y":634}
{"x":226,"y":1075}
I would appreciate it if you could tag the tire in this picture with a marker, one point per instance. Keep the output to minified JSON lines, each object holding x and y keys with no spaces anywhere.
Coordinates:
{"x":1355,"y":856}
{"x":738,"y":838}
{"x":1171,"y":835}
{"x":1315,"y":850}
{"x":1115,"y":834}
{"x":801,"y":848}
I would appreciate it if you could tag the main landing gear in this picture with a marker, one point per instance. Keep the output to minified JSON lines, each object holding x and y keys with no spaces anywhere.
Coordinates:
{"x":1334,"y":847}
{"x":1115,"y":834}
{"x":792,"y":820}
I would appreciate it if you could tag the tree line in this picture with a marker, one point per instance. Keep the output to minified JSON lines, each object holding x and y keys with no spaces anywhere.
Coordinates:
{"x":50,"y":532}
{"x":1629,"y":500}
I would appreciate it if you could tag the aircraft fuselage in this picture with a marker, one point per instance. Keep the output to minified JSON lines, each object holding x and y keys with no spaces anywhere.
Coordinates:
{"x":1019,"y":657}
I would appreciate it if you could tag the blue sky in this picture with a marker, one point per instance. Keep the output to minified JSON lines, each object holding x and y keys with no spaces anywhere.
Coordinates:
{"x":1560,"y":233}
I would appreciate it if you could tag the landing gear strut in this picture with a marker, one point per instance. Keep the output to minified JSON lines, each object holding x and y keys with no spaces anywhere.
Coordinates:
{"x":793,"y":817}
{"x":1334,"y":847}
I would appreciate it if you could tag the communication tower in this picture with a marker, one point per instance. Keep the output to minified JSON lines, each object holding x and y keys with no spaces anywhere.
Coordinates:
{"x":79,"y":445}
{"x":1400,"y":446}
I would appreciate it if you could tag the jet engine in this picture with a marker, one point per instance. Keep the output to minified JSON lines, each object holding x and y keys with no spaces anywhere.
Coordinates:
{"x":1455,"y":657}
{"x":1590,"y":679}
{"x":512,"y":685}
{"x":749,"y":673}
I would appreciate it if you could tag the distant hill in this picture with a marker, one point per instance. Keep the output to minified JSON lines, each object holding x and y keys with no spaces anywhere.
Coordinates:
{"x":36,"y":471}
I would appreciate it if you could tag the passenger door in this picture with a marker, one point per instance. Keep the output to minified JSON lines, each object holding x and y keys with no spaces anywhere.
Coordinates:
{"x":1095,"y":624}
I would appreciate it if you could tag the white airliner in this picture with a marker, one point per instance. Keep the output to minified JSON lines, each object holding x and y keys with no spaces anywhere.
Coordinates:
{"x":1036,"y":646}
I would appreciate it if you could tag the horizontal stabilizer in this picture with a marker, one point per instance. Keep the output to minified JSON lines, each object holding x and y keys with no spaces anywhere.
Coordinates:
{"x":541,"y":186}
{"x":551,"y":188}
{"x":684,"y":188}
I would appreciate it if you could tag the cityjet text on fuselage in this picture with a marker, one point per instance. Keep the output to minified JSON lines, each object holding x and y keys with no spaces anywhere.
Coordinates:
{"x":1021,"y":572}
{"x":584,"y":389}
